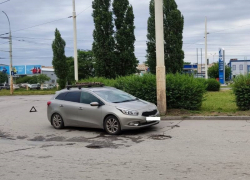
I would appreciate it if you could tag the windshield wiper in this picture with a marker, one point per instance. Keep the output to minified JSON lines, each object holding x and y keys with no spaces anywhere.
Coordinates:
{"x":126,"y":100}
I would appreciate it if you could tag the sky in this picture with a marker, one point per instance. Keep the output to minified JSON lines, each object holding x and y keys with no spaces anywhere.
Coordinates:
{"x":33,"y":23}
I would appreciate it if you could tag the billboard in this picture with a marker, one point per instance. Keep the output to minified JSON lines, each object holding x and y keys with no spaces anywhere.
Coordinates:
{"x":33,"y":69}
{"x":18,"y":70}
{"x":5,"y":69}
{"x":221,"y":66}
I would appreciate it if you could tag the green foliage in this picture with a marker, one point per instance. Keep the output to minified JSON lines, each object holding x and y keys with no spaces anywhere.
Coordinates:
{"x":124,"y":38}
{"x":103,"y":45}
{"x":106,"y":82}
{"x":143,"y":87}
{"x":3,"y":77}
{"x":213,"y":71}
{"x":173,"y":29}
{"x":212,"y":85}
{"x":241,"y":89}
{"x":59,"y":59}
{"x":24,"y":79}
{"x":85,"y":66}
{"x":41,"y":78}
{"x":183,"y":92}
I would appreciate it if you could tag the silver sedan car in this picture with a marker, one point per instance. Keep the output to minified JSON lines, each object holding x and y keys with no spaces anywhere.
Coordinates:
{"x":100,"y":107}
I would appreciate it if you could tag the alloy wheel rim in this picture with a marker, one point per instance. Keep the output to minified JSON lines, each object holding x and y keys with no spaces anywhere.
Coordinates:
{"x":57,"y":121}
{"x":112,"y":125}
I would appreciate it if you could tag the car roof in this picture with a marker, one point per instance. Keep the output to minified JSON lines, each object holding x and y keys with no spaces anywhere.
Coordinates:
{"x":87,"y":89}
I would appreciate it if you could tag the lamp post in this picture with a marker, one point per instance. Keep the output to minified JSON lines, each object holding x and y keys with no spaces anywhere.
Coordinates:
{"x":10,"y":41}
{"x":213,"y":56}
{"x":75,"y":42}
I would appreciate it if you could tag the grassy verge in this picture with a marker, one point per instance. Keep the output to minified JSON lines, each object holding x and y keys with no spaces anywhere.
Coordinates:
{"x":4,"y":92}
{"x":216,"y":104}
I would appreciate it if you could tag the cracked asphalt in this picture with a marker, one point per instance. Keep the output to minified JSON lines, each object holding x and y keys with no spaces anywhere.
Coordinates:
{"x":30,"y":148}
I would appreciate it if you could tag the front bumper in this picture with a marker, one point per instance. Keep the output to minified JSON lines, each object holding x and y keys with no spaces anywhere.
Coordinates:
{"x":140,"y":121}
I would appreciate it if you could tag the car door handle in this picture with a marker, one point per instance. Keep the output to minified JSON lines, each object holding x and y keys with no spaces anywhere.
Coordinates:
{"x":61,"y":105}
{"x":80,"y":108}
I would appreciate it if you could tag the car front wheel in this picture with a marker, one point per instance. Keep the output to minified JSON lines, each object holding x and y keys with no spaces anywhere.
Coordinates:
{"x":112,"y":125}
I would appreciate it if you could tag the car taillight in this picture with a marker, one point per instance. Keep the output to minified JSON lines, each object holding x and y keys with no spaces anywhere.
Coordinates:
{"x":48,"y":103}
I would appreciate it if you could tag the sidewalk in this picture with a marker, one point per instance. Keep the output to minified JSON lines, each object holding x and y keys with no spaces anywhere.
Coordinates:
{"x":166,"y":118}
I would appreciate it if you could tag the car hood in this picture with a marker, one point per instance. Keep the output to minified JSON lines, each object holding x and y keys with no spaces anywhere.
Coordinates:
{"x":136,"y":105}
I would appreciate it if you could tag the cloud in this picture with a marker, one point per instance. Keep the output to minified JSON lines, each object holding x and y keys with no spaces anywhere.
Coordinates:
{"x":228,"y":25}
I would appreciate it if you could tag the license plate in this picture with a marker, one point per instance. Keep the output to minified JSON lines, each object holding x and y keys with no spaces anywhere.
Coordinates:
{"x":153,"y":119}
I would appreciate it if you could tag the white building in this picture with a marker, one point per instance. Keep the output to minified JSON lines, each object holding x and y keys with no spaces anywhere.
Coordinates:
{"x":239,"y":67}
{"x":50,"y":72}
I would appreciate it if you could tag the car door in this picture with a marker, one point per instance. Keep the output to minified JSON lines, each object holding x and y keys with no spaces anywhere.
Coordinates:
{"x":90,"y":116}
{"x":68,"y":107}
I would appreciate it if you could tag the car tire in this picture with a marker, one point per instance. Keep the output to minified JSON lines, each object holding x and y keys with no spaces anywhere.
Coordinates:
{"x":57,"y":121}
{"x":112,"y":125}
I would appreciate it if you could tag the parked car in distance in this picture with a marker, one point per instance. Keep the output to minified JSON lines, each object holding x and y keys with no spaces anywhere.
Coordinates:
{"x":23,"y":85}
{"x":5,"y":86}
{"x":15,"y":86}
{"x":34,"y":86}
{"x":47,"y":86}
{"x":100,"y":107}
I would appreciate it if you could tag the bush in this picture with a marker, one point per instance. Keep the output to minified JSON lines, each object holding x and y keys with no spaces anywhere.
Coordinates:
{"x":212,"y":85}
{"x":183,"y":91}
{"x":241,"y":89}
{"x":107,"y":82}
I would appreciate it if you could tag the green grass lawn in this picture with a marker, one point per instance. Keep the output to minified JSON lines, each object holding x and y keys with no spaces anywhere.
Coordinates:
{"x":21,"y":91}
{"x":220,"y":103}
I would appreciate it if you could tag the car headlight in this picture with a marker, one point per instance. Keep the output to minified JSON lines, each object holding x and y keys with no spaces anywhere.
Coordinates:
{"x":128,"y":112}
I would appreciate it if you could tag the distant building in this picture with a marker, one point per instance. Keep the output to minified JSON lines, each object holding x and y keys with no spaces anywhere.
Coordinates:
{"x":142,"y":68}
{"x":50,"y":72}
{"x":239,"y":67}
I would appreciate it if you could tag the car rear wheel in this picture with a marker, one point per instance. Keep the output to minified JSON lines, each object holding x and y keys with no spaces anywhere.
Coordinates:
{"x":57,"y":121}
{"x":112,"y":125}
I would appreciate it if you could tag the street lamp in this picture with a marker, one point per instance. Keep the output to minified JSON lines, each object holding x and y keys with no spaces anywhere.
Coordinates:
{"x":10,"y":38}
{"x":213,"y":56}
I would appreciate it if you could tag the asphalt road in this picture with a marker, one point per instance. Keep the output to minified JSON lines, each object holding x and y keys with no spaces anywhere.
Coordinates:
{"x":30,"y":148}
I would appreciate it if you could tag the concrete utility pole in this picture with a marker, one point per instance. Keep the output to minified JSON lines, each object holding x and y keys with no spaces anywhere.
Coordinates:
{"x":197,"y":61}
{"x":10,"y":41}
{"x":160,"y":63}
{"x":75,"y":42}
{"x":206,"y":76}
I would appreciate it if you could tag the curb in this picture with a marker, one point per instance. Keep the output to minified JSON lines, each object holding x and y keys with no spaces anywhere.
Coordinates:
{"x":168,"y":118}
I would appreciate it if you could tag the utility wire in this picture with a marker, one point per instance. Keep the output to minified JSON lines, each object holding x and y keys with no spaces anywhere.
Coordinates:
{"x":4,"y":2}
{"x":83,"y":10}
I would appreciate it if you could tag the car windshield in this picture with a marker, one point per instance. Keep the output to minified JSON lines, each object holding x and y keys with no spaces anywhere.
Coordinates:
{"x":115,"y":96}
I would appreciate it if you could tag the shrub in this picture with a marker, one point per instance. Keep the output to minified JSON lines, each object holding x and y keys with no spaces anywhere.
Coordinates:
{"x":182,"y":91}
{"x":107,"y":82}
{"x":212,"y":85}
{"x":241,"y":89}
{"x":143,"y":87}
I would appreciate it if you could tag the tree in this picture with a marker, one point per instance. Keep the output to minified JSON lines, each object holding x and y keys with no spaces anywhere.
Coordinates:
{"x":103,"y":45}
{"x":124,"y":37}
{"x":59,"y":59}
{"x":85,"y":65}
{"x":173,"y":29}
{"x":3,"y":77}
{"x":213,"y":71}
{"x":42,"y":78}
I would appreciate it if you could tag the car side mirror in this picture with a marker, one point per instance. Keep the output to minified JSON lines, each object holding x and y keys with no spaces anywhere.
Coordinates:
{"x":94,"y":104}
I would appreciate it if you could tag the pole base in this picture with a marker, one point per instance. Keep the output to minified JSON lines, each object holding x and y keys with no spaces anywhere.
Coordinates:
{"x":161,"y":89}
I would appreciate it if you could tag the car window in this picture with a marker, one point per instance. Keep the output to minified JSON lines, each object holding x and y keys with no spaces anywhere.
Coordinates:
{"x":115,"y":96}
{"x":61,"y":96}
{"x":73,"y":96}
{"x":87,"y":98}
